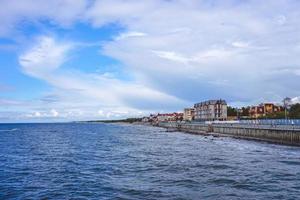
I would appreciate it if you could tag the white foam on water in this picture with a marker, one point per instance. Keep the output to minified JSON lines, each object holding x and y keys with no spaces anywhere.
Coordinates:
{"x":9,"y":130}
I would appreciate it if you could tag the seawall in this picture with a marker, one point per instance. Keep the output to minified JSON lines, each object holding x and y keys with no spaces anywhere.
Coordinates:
{"x":276,"y":134}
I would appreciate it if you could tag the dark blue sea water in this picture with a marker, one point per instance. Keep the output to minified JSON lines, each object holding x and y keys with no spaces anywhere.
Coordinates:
{"x":103,"y":161}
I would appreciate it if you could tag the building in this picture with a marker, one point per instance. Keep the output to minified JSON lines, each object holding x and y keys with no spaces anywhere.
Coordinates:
{"x":188,"y":114}
{"x":264,"y":109}
{"x":167,"y":117}
{"x":146,"y":119}
{"x":257,"y":111}
{"x":164,"y":117}
{"x":211,"y":110}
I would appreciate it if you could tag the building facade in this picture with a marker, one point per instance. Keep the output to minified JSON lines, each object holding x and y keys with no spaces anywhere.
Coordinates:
{"x":264,"y":109}
{"x":188,"y":114}
{"x":211,"y":110}
{"x":257,"y":111}
{"x":166,"y":117}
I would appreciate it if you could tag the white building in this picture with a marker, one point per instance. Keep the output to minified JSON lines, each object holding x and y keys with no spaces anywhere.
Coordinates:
{"x":188,"y":114}
{"x":211,"y":110}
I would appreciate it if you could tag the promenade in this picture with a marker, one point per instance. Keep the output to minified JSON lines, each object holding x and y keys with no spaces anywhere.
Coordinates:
{"x":283,"y":133}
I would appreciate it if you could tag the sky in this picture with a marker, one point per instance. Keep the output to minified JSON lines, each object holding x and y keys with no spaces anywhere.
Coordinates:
{"x":65,"y":60}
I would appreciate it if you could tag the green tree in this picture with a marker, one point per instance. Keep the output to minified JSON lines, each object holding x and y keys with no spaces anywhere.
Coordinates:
{"x":295,"y":111}
{"x":245,"y":111}
{"x":275,"y":115}
{"x":232,"y":112}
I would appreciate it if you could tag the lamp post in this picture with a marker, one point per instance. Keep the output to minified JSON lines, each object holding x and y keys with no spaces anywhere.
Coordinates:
{"x":286,"y":103}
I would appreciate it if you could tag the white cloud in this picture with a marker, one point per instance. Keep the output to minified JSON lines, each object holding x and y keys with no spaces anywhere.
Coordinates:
{"x":130,"y":34}
{"x":240,"y":44}
{"x":54,"y":113}
{"x":213,"y":55}
{"x":187,"y":42}
{"x":296,"y":100}
{"x":106,"y":11}
{"x":281,"y":19}
{"x":37,"y":114}
{"x":44,"y":57}
{"x":86,"y":91}
{"x":100,"y":112}
{"x":177,"y":52}
{"x":61,"y":12}
{"x":172,"y":56}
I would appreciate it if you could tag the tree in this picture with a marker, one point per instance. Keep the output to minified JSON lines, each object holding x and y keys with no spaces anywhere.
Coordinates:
{"x":295,"y":111}
{"x":275,"y":115}
{"x":231,"y":112}
{"x":245,"y":111}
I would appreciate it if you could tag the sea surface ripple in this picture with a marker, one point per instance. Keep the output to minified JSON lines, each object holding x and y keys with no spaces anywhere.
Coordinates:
{"x":115,"y":161}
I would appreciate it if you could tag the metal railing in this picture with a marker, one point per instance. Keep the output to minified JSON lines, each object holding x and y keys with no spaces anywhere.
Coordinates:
{"x":282,"y":124}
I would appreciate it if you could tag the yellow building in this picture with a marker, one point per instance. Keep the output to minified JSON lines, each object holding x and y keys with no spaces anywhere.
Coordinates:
{"x":264,"y":109}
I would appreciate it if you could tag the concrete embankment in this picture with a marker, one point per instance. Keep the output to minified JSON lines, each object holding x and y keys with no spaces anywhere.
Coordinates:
{"x":283,"y":135}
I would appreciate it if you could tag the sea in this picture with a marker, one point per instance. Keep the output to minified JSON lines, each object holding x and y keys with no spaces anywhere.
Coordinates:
{"x":122,"y":161}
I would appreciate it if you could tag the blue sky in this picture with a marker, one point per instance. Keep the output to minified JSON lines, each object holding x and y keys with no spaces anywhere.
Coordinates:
{"x":65,"y":60}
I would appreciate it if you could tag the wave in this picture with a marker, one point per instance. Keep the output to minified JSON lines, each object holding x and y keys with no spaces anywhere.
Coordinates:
{"x":9,"y":130}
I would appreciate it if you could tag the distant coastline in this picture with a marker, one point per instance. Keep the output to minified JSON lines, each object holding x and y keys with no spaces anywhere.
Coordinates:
{"x":128,"y":120}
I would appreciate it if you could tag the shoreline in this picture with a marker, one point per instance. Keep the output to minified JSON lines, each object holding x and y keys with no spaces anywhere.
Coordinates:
{"x":169,"y":127}
{"x":281,"y":137}
{"x":217,"y":135}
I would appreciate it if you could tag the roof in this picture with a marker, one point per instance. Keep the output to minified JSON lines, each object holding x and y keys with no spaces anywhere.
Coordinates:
{"x":211,"y":102}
